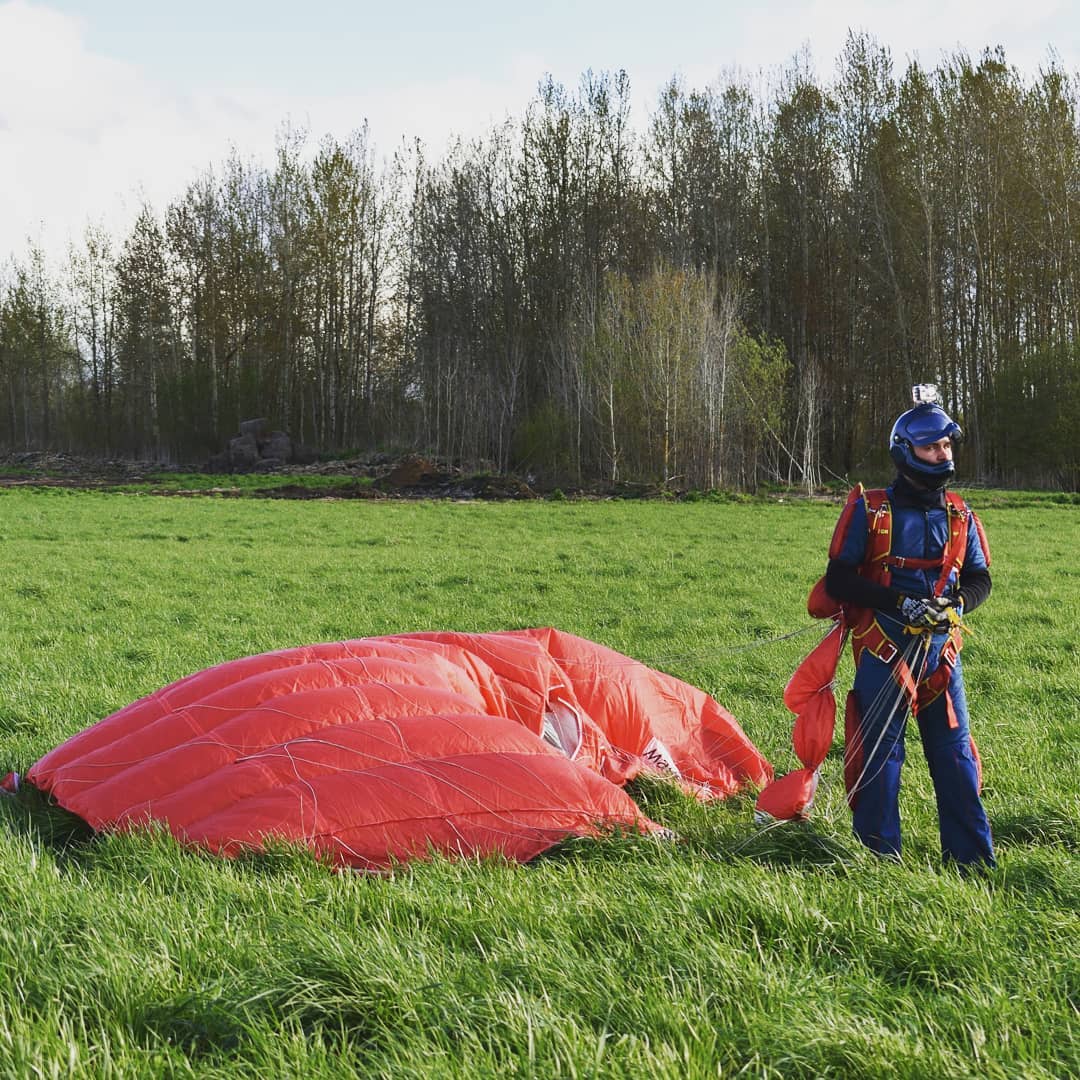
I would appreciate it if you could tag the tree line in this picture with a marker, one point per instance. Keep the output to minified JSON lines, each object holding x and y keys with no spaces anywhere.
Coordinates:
{"x":741,"y":293}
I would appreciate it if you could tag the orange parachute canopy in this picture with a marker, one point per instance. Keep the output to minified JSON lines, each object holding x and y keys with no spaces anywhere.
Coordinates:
{"x":809,"y":695}
{"x":380,"y":750}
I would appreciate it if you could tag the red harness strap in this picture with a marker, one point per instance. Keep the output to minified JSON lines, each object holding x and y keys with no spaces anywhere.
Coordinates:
{"x":876,"y":566}
{"x":952,"y":558}
{"x":910,"y":561}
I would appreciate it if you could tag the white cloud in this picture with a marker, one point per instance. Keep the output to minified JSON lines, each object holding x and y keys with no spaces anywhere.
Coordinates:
{"x":85,"y":136}
{"x":82,"y":132}
{"x":929,"y":30}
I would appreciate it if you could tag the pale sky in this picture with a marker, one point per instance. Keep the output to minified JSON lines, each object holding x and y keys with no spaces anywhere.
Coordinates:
{"x":105,"y":103}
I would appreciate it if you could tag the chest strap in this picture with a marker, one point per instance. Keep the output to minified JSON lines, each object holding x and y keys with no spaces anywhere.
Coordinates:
{"x":910,"y":562}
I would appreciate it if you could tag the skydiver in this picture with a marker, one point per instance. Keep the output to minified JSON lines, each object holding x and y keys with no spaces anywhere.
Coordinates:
{"x":911,"y":560}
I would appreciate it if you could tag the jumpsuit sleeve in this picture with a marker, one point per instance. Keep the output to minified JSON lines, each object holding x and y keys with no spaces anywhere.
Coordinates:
{"x":974,"y":583}
{"x":974,"y":588}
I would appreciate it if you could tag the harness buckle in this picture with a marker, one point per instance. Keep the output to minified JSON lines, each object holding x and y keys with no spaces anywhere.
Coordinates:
{"x":887,"y":652}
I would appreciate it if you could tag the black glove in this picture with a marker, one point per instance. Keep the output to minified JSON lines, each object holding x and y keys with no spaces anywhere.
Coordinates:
{"x":929,"y":613}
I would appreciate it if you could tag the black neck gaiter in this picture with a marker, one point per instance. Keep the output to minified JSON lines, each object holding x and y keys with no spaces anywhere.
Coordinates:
{"x":917,"y":495}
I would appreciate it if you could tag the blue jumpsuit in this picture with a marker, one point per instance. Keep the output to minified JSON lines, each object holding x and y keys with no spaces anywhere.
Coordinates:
{"x":919,"y":533}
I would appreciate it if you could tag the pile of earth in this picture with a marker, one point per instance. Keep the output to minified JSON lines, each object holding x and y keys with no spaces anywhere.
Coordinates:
{"x":374,"y":477}
{"x":412,"y":476}
{"x":57,"y":468}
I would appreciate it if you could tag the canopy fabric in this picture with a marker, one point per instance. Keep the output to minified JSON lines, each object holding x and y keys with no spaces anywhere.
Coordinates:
{"x":380,"y":750}
{"x":809,"y":695}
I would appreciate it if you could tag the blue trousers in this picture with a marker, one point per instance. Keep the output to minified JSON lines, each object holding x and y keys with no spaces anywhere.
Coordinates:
{"x":876,"y":755}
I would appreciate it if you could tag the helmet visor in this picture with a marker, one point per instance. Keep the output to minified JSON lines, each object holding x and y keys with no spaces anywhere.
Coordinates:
{"x":926,"y":426}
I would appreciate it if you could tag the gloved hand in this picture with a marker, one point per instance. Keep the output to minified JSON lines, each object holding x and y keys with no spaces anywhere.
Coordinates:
{"x":924,"y":614}
{"x":949,"y":603}
{"x":952,"y":607}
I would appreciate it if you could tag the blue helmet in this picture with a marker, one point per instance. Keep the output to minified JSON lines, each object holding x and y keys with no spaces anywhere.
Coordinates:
{"x":917,"y":427}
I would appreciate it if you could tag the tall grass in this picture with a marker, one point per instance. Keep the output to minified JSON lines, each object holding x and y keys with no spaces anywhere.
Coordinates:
{"x":785,"y":952}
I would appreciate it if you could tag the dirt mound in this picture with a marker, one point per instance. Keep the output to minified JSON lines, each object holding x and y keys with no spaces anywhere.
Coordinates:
{"x":415,"y":471}
{"x":413,"y":476}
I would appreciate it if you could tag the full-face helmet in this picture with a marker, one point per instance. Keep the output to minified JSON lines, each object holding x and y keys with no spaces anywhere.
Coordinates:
{"x":926,"y":423}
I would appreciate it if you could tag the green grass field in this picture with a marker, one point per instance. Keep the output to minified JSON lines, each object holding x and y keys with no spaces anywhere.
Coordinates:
{"x":784,"y":953}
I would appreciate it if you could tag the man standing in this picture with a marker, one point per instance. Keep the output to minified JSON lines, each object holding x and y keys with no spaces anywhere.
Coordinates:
{"x":907,"y":562}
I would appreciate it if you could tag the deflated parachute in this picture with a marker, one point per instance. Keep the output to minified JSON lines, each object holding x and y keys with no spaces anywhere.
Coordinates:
{"x":809,"y":695}
{"x":385,"y":749}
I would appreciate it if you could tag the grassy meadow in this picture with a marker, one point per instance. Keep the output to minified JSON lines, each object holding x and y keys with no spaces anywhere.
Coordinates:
{"x":734,"y":951}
